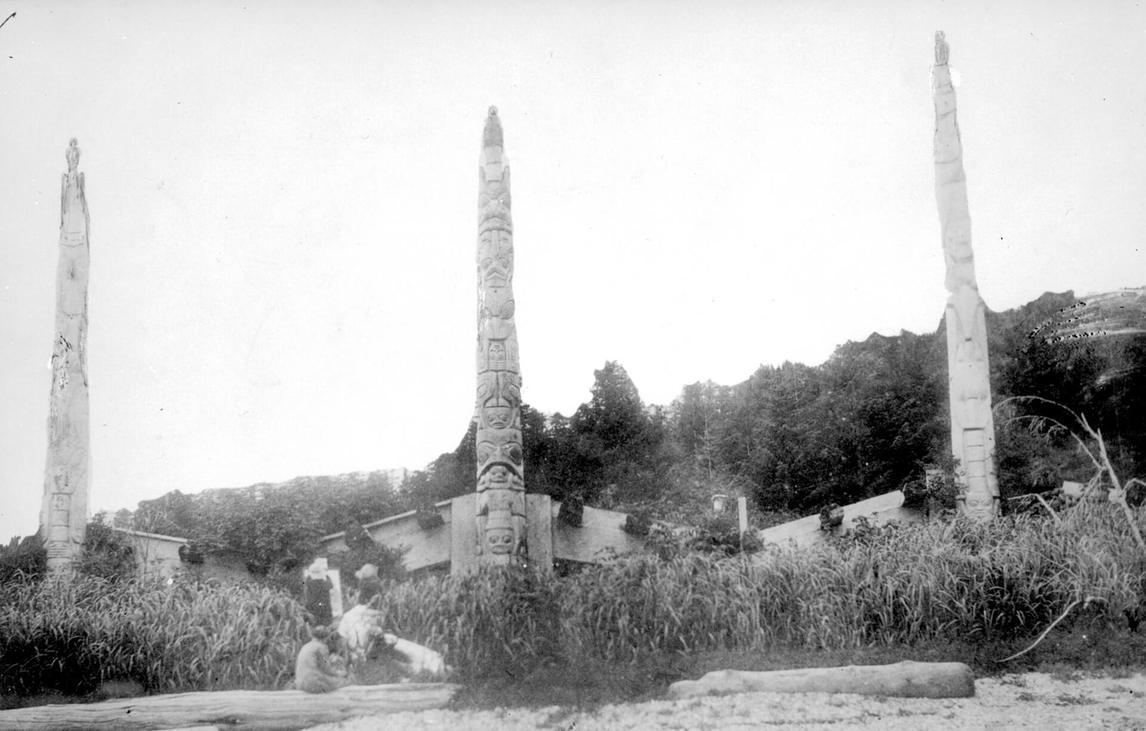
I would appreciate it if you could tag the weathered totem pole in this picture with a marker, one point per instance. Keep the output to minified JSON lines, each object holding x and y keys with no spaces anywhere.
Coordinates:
{"x":64,"y":513}
{"x":972,"y":424}
{"x":500,"y":468}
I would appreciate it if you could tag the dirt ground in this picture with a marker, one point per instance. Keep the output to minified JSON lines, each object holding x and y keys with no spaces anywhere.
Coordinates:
{"x":1033,"y":700}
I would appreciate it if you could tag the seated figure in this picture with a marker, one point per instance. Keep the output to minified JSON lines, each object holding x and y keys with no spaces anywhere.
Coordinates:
{"x":369,"y":585}
{"x":316,"y":669}
{"x":361,"y":629}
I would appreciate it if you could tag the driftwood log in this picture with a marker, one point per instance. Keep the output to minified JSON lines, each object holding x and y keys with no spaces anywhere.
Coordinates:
{"x":234,"y":709}
{"x":902,"y":680}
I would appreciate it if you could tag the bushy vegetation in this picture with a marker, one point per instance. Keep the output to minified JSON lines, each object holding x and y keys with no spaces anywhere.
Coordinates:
{"x":70,"y":634}
{"x":792,"y":438}
{"x":900,"y":585}
{"x":274,"y":529}
{"x":795,"y":438}
{"x":362,"y":549}
{"x":996,"y":585}
{"x":106,"y":553}
{"x":22,"y":558}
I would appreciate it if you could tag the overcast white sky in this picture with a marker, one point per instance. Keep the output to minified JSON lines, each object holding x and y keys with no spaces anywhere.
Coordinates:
{"x":283,"y":201}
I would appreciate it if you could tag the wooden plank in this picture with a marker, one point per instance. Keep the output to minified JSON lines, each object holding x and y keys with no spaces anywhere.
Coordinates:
{"x":539,"y":530}
{"x":234,"y":709}
{"x":463,"y":535}
{"x":880,"y":510}
{"x":337,"y":542}
{"x":425,"y":547}
{"x":599,"y":536}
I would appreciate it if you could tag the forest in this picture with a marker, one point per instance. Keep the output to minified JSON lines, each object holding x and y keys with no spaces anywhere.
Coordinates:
{"x":792,"y":438}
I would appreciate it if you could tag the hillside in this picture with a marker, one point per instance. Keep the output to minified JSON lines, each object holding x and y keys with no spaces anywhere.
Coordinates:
{"x":792,"y":438}
{"x":795,"y":437}
{"x":271,"y":525}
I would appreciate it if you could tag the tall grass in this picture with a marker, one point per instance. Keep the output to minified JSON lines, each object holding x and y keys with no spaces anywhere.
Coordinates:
{"x":958,"y":580}
{"x":941,"y":581}
{"x":72,"y":635}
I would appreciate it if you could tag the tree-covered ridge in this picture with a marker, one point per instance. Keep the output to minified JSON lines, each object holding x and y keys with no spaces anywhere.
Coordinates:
{"x":873,"y":416}
{"x":792,"y":438}
{"x":796,"y":437}
{"x":270,"y":526}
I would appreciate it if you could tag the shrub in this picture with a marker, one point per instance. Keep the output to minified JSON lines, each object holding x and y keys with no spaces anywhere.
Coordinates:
{"x":23,"y":561}
{"x":363,"y":549}
{"x":106,"y":553}
{"x":936,"y":582}
{"x":71,"y":635}
{"x":940,"y":581}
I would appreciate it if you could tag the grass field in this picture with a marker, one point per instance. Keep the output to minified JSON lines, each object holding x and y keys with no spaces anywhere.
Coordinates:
{"x":943,"y":590}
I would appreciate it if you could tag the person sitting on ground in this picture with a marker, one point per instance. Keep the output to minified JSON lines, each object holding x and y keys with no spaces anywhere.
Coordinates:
{"x":369,"y":585}
{"x":316,"y":670}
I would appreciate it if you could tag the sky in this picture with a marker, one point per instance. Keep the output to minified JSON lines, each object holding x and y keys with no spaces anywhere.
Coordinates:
{"x":283,"y":201}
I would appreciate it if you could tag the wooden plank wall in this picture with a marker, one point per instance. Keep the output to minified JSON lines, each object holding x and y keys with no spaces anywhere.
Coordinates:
{"x":880,"y":510}
{"x":426,"y":548}
{"x":599,"y":536}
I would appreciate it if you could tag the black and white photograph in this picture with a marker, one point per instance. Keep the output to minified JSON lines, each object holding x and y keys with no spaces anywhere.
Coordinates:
{"x":648,"y":364}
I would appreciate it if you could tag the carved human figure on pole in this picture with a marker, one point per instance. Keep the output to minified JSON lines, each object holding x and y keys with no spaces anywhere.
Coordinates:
{"x":972,"y":423}
{"x":63,"y":514}
{"x":500,"y":464}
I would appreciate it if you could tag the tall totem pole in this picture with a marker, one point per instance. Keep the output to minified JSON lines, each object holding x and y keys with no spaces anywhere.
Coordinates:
{"x":500,"y":468}
{"x":64,"y":513}
{"x":972,"y":424}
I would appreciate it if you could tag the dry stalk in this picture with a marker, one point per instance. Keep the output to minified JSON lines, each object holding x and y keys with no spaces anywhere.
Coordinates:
{"x":1051,"y":626}
{"x":1045,"y":504}
{"x":1117,"y":492}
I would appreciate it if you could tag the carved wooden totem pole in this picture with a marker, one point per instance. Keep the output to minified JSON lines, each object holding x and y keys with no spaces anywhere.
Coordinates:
{"x":64,"y":513}
{"x":972,"y":424}
{"x":500,"y":469}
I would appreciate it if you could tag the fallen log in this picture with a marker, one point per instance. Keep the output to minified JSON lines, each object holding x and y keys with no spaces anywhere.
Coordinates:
{"x":902,"y":680}
{"x":234,"y":709}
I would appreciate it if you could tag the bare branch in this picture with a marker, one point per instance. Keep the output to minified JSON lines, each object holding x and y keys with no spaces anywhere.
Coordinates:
{"x":1046,"y":631}
{"x":1045,"y":504}
{"x":1064,"y":427}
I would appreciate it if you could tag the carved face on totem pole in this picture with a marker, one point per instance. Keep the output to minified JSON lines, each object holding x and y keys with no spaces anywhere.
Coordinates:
{"x":500,"y":468}
{"x":498,"y":398}
{"x":970,"y":335}
{"x":501,"y":520}
{"x":495,"y":259}
{"x":497,"y":359}
{"x":959,"y":255}
{"x":499,"y":460}
{"x":494,"y":203}
{"x":500,"y":536}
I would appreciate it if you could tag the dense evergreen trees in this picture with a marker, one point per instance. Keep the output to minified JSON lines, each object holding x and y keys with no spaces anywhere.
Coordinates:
{"x":274,"y":528}
{"x":793,"y":437}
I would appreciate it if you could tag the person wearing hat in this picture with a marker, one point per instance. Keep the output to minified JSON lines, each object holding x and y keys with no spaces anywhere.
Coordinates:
{"x":316,"y":592}
{"x":369,"y":585}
